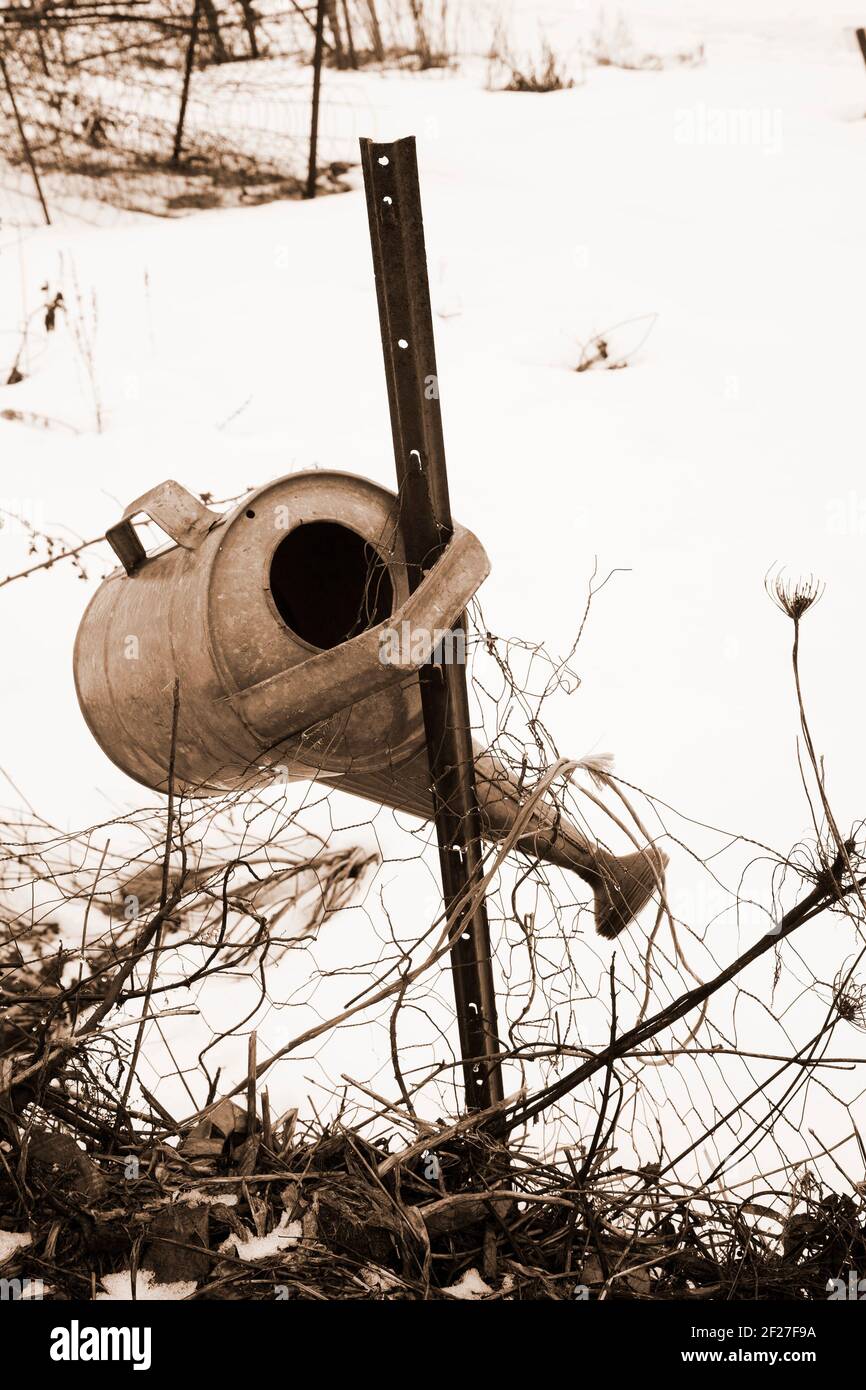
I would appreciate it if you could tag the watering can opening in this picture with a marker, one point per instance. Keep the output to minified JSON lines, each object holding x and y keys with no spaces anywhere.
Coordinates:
{"x":329,"y":583}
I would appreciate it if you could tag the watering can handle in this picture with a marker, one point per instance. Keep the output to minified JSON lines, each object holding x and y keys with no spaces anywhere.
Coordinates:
{"x":176,"y":512}
{"x":327,"y":683}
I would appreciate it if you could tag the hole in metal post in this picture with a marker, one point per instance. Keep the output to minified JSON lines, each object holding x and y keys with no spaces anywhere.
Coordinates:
{"x":402,"y":343}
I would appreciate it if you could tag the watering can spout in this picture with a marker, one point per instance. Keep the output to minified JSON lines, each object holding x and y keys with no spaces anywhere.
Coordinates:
{"x":622,"y":885}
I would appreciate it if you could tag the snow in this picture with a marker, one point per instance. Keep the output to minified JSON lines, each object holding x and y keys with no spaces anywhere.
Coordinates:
{"x":469,"y":1286}
{"x":117,"y":1288}
{"x":12,"y":1241}
{"x":284,"y":1235}
{"x":194,"y":1197}
{"x":230,"y":347}
{"x":695,"y":468}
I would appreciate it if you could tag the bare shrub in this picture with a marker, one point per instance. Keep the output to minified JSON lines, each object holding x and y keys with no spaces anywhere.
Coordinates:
{"x":617,"y":346}
{"x":539,"y":71}
{"x":612,"y":45}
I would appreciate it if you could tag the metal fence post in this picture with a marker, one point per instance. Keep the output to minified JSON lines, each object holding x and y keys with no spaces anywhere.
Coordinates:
{"x":25,"y":143}
{"x":406,"y":322}
{"x":317,"y":84}
{"x":250,"y":26}
{"x":350,"y":41}
{"x":187,"y":78}
{"x":376,"y":33}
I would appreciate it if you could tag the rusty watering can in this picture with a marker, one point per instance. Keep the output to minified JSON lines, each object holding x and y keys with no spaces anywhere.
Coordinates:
{"x":290,"y":627}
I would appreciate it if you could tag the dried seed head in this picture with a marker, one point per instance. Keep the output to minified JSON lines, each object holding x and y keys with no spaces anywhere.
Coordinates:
{"x":599,"y":766}
{"x":850,"y":1002}
{"x":794,"y":596}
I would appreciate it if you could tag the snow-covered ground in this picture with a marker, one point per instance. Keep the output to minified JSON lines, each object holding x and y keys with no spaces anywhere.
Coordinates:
{"x":727,"y":199}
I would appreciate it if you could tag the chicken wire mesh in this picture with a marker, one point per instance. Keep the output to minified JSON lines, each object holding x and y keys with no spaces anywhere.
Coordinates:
{"x":286,"y":946}
{"x":164,"y":108}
